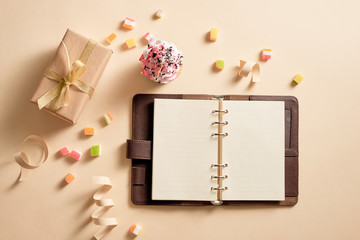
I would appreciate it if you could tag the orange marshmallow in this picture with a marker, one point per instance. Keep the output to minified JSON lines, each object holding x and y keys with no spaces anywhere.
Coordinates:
{"x":69,"y":178}
{"x":129,"y":23}
{"x":108,"y":118}
{"x":111,"y":38}
{"x":135,"y":229}
{"x":89,"y":131}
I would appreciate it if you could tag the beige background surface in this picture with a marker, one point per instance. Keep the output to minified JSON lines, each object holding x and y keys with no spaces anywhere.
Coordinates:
{"x":319,"y":39}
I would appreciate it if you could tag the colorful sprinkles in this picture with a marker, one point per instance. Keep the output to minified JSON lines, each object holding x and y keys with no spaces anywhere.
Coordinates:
{"x":162,"y":61}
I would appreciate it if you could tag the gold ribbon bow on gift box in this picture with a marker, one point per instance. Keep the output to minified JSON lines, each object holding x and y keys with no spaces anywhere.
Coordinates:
{"x":59,"y":95}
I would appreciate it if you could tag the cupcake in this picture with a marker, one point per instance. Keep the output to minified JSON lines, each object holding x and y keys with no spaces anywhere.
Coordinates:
{"x":161,"y":61}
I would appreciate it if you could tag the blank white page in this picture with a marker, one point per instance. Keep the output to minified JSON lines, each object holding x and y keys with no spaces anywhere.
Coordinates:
{"x":183,"y":149}
{"x":254,"y":150}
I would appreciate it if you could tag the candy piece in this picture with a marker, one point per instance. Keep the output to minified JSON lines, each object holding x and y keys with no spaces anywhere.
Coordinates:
{"x":129,"y":23}
{"x":108,"y":118}
{"x":131,"y":43}
{"x":298,"y":78}
{"x":161,"y":61}
{"x":110,"y":38}
{"x":75,"y":154}
{"x":65,"y":151}
{"x":159,"y":13}
{"x":135,"y":229}
{"x":149,"y":38}
{"x":69,"y":178}
{"x":220,"y":64}
{"x":89,"y":131}
{"x":213,"y":34}
{"x":96,"y":150}
{"x":265,"y":54}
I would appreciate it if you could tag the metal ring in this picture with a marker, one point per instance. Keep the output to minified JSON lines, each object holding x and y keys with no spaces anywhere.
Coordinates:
{"x":223,"y":111}
{"x":219,"y":189}
{"x":222,"y":177}
{"x":224,"y":123}
{"x":217,"y":97}
{"x":216,"y":203}
{"x":219,"y":165}
{"x":219,"y":134}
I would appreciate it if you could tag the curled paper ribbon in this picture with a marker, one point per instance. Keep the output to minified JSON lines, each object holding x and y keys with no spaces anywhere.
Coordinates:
{"x":23,"y":160}
{"x":104,"y":205}
{"x":247,"y":67}
{"x":59,"y":96}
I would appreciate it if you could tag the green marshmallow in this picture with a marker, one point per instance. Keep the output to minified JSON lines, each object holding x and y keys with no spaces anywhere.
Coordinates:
{"x":96,"y":150}
{"x":220,"y":64}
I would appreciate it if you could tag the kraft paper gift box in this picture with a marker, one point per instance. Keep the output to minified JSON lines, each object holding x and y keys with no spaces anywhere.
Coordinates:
{"x":69,"y":82}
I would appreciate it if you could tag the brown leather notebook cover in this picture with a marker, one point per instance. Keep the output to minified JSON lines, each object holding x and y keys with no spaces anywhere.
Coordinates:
{"x":139,"y":148}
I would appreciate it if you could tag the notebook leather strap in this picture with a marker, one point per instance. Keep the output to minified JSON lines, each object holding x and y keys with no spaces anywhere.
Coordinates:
{"x":139,"y":149}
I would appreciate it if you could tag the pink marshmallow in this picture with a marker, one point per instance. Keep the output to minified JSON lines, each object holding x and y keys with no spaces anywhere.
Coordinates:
{"x":64,"y":151}
{"x":266,"y":54}
{"x":265,"y":57}
{"x":149,"y":38}
{"x":75,"y":154}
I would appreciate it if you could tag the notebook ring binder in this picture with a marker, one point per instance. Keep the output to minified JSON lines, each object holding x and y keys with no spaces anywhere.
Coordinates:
{"x":222,"y":177}
{"x":219,"y":165}
{"x":219,"y":134}
{"x":224,"y":123}
{"x":219,"y":188}
{"x":220,"y":111}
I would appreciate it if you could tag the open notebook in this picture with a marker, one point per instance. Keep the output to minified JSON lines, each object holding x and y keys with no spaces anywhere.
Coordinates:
{"x":186,"y":148}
